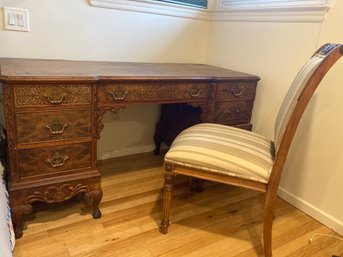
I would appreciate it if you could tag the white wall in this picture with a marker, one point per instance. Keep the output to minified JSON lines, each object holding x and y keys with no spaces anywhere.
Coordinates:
{"x":313,"y":176}
{"x":67,"y":29}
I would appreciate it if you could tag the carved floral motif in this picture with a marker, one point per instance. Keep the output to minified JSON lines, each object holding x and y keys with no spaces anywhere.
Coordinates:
{"x":57,"y":194}
{"x":100,"y":114}
{"x":163,"y":91}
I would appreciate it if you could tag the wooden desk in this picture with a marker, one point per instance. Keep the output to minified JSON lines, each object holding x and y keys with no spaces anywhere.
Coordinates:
{"x":54,"y":111}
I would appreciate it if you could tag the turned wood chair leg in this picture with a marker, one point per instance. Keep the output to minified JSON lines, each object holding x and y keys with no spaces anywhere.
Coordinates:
{"x":167,"y":198}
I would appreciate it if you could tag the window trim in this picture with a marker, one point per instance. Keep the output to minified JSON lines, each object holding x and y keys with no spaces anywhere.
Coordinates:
{"x":272,"y":14}
{"x":154,"y":7}
{"x":285,"y":13}
{"x":266,"y":10}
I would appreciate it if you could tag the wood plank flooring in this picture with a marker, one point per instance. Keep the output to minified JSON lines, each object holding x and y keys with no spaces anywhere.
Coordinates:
{"x":221,"y":221}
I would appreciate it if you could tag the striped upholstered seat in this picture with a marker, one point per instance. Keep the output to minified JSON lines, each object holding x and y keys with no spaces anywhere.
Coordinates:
{"x":222,"y":149}
{"x":241,"y":158}
{"x":235,"y":152}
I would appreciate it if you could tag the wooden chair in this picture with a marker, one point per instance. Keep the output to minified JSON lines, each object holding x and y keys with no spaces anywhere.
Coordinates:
{"x":242,"y":158}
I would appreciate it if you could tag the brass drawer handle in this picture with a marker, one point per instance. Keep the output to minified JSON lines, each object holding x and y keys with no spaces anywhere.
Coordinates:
{"x":118,"y":95}
{"x":56,"y":127}
{"x":56,"y":98}
{"x":57,"y":160}
{"x":237,"y":91}
{"x":195,"y":92}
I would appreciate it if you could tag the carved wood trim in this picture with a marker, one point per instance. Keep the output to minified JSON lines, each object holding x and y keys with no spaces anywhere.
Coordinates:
{"x":53,"y":194}
{"x":94,"y":123}
{"x":28,"y":95}
{"x":100,"y":111}
{"x":11,"y":131}
{"x":209,"y":106}
{"x":153,"y":91}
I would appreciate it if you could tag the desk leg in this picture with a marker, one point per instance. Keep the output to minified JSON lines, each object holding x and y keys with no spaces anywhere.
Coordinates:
{"x":95,"y":196}
{"x":158,"y":140}
{"x":17,"y":213}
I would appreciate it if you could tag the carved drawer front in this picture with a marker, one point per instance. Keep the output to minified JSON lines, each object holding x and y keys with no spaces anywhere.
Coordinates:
{"x":236,"y":90}
{"x":150,"y":91}
{"x":54,"y":160}
{"x":236,"y":112}
{"x":51,"y":95}
{"x":53,"y":125}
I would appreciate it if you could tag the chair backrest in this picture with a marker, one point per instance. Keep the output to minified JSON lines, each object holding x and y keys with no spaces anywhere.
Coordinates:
{"x":295,"y":103}
{"x":307,"y":81}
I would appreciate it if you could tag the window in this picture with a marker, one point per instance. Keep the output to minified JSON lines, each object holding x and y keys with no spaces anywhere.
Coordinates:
{"x":162,"y":7}
{"x":194,"y":3}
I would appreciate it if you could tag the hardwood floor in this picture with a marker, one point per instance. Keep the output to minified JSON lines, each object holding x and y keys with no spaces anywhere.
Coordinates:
{"x":220,"y":221}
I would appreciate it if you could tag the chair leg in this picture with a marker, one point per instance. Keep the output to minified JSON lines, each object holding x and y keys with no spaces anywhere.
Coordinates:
{"x":167,"y":197}
{"x":267,"y":225}
{"x":267,"y":235}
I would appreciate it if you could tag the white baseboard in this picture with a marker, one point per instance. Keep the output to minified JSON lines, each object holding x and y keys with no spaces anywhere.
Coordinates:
{"x":312,"y":211}
{"x":103,"y":155}
{"x":125,"y":151}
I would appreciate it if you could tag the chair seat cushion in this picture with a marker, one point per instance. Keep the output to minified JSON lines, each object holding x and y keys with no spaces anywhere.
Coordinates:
{"x":223,"y":149}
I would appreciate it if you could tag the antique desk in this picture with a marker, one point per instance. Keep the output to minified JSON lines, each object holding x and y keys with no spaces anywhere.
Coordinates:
{"x":54,"y":109}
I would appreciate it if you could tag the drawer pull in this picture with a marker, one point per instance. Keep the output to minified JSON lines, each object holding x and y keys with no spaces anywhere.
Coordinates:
{"x":195,"y":92}
{"x":118,"y":95}
{"x":57,"y":160}
{"x":236,"y":111}
{"x":56,"y":127}
{"x":237,"y":91}
{"x":56,"y":98}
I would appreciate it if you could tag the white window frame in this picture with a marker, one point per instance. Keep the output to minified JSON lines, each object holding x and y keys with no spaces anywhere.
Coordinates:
{"x":154,"y":7}
{"x":229,"y":10}
{"x":271,"y":10}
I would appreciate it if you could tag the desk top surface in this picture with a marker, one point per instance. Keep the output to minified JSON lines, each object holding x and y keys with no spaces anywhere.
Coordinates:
{"x":14,"y":69}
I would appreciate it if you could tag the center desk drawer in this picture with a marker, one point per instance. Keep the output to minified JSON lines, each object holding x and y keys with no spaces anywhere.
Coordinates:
{"x":52,"y":125}
{"x":51,"y":95}
{"x":150,"y":91}
{"x":54,"y":160}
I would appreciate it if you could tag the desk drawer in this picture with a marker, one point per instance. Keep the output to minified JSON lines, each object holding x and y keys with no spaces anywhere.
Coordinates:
{"x":51,"y":95}
{"x":150,"y":92}
{"x":54,"y":160}
{"x":53,"y":125}
{"x":236,"y":112}
{"x":236,"y":90}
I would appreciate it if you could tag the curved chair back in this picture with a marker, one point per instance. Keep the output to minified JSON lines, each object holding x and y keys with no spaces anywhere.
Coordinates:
{"x":297,"y":99}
